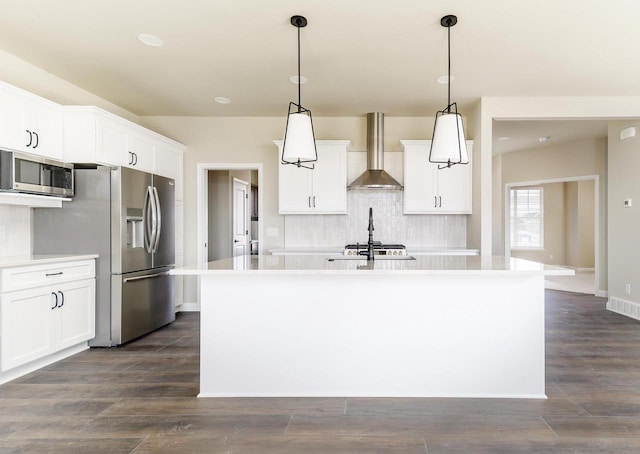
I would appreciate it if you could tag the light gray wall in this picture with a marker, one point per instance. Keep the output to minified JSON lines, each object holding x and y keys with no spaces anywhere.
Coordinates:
{"x":580,"y":224}
{"x":624,"y":223}
{"x":219,"y":214}
{"x":586,"y":224}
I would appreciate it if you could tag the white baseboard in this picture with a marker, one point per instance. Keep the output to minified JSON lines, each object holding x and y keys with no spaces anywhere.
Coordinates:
{"x":602,"y":293}
{"x":189,"y":307}
{"x":623,"y":307}
{"x":32,"y":366}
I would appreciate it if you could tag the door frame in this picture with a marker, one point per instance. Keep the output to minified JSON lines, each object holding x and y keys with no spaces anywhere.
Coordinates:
{"x":202,"y":205}
{"x":596,"y":207}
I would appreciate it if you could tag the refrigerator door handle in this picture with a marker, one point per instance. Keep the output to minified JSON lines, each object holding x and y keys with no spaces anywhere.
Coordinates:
{"x":158,"y":219}
{"x":146,"y":276}
{"x":148,"y":216}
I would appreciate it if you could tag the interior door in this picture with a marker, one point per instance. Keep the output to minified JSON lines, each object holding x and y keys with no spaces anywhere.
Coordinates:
{"x":240,"y":217}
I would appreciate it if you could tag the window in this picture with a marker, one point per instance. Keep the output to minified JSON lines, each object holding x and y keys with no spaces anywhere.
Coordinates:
{"x":527,"y":218}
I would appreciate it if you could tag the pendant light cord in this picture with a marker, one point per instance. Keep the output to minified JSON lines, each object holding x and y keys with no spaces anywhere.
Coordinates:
{"x":299,"y":82}
{"x":449,"y":67}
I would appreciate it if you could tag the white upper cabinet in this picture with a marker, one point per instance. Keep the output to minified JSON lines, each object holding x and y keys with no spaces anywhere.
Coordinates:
{"x":169,"y":164}
{"x":322,"y":190}
{"x":92,"y":135}
{"x":29,"y":123}
{"x":429,"y":190}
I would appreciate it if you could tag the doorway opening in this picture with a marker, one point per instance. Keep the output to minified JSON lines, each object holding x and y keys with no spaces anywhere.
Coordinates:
{"x":229,"y":210}
{"x":562,"y":228}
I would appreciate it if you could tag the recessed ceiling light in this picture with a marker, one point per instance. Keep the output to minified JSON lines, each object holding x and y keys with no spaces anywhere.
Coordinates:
{"x":543,"y":138}
{"x":444,"y":79}
{"x":503,"y":138}
{"x":294,"y":80}
{"x":221,"y":100}
{"x":150,"y":40}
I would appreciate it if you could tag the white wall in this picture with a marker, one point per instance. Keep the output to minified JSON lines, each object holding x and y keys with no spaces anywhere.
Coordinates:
{"x":624,"y":223}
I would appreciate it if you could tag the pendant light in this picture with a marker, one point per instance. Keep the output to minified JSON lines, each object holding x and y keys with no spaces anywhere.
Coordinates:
{"x":448,"y":144}
{"x":299,"y":146}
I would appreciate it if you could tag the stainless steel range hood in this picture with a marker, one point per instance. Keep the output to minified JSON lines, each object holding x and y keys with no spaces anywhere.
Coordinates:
{"x":375,"y":176}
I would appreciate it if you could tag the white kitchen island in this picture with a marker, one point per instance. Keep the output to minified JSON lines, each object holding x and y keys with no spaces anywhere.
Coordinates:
{"x":437,"y":326}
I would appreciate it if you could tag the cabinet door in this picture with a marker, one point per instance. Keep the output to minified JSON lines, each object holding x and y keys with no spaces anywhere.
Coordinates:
{"x":112,"y":143}
{"x":294,"y":189}
{"x":12,"y":135}
{"x":454,"y":188}
{"x":44,"y":122}
{"x":169,"y":164}
{"x":143,"y":149}
{"x":420,"y":180}
{"x":27,"y":328}
{"x":76,"y":314}
{"x":330,"y":180}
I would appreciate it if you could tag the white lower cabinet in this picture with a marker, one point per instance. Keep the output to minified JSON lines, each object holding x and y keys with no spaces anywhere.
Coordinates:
{"x":57,"y":313}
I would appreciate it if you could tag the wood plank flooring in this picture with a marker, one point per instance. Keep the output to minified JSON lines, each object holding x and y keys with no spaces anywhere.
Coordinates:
{"x":140,"y":398}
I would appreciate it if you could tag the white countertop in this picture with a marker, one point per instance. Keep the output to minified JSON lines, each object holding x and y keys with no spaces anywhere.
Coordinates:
{"x":339,"y":251}
{"x":34,"y":259}
{"x":319,"y":264}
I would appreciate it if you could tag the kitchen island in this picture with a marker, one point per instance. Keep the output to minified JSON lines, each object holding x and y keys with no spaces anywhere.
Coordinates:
{"x":435,"y":326}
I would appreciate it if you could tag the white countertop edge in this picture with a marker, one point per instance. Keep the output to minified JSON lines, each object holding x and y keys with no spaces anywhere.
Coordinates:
{"x":205,"y":395}
{"x":289,"y":272}
{"x":27,"y":260}
{"x":339,"y":251}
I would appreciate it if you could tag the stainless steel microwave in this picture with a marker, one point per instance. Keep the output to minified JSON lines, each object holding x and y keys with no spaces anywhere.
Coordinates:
{"x":22,"y":172}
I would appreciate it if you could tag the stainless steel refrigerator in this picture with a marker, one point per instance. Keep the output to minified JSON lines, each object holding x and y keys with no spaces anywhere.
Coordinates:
{"x":127,"y":217}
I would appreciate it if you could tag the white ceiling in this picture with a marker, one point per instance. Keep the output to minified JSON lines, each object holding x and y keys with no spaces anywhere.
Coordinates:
{"x":359,"y":55}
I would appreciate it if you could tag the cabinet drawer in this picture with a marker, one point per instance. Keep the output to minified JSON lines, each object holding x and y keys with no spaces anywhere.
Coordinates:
{"x":31,"y":276}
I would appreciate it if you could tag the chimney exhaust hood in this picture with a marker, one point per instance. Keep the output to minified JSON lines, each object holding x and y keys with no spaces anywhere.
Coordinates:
{"x":375,"y":176}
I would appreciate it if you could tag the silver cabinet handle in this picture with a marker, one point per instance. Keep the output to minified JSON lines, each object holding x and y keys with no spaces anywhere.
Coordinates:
{"x":59,"y":273}
{"x":440,"y":199}
{"x":146,"y":276}
{"x":61,"y":299}
{"x":30,"y":137}
{"x":37,"y":140}
{"x":56,"y":296}
{"x":435,"y":201}
{"x":314,"y":201}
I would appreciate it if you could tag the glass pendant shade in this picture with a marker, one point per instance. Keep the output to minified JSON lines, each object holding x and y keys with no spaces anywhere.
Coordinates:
{"x":448,"y":145}
{"x":299,"y":141}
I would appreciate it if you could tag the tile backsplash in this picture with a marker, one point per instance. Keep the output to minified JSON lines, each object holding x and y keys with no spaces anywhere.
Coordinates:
{"x":391,"y":226}
{"x":15,"y":230}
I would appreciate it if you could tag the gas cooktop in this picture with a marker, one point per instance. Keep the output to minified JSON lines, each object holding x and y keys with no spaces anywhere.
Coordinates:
{"x":378,"y":248}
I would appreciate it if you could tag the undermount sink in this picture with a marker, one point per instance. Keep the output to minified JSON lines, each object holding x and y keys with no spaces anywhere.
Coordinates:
{"x":378,"y":257}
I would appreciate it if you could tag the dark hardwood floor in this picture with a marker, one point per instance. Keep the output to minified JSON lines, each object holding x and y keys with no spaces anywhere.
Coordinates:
{"x":140,"y":398}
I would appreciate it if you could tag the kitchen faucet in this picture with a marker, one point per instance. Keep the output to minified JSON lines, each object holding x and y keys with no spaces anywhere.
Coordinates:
{"x":369,"y":251}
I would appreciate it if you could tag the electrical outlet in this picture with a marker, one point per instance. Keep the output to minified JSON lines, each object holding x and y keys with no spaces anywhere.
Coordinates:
{"x":627,"y":288}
